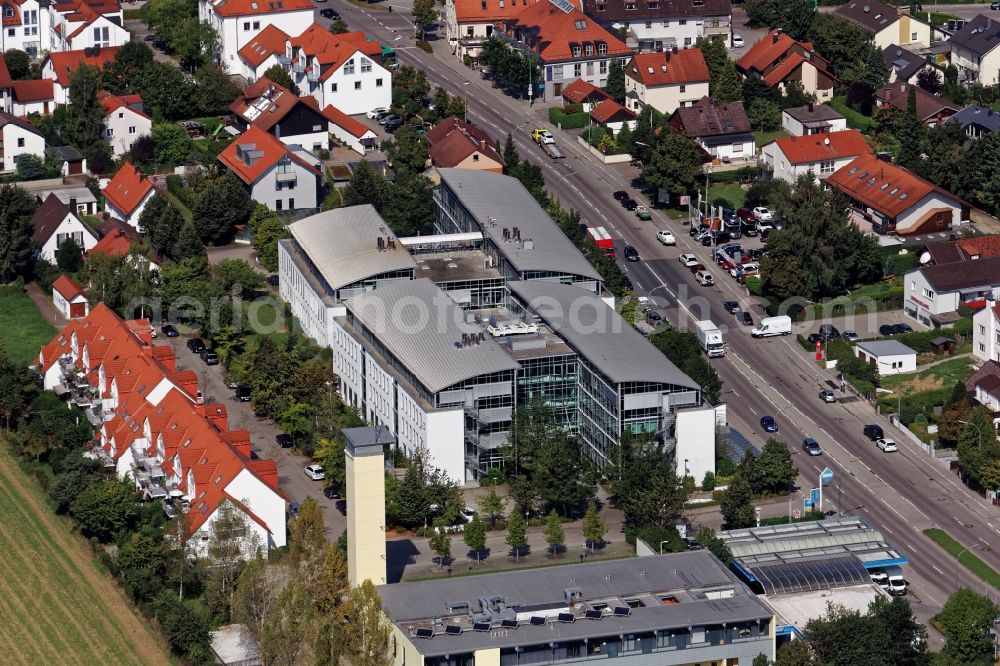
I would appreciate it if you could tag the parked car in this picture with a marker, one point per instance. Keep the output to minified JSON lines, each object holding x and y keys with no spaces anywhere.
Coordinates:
{"x":813,"y":338}
{"x":763,"y":214}
{"x":829,"y":331}
{"x":665,"y":237}
{"x":812,"y":447}
{"x":688,"y":259}
{"x":630,"y":253}
{"x":768,"y":424}
{"x":704,"y":278}
{"x":284,"y":440}
{"x":750,"y":268}
{"x":746,"y":215}
{"x":620,"y":196}
{"x":243,"y":393}
{"x":170,"y":331}
{"x":209,"y":357}
{"x":995,"y":5}
{"x":733,"y":249}
{"x":747,"y":319}
{"x":376,"y":112}
{"x":732,"y":307}
{"x":873,"y":432}
{"x":196,"y":345}
{"x":886,"y":445}
{"x":643,"y":213}
{"x":904,"y":328}
{"x":630,"y":204}
{"x":392,"y":117}
{"x":738,"y":42}
{"x":329,"y":13}
{"x":653,"y":318}
{"x":850,"y":336}
{"x":826,"y":395}
{"x":315,"y":472}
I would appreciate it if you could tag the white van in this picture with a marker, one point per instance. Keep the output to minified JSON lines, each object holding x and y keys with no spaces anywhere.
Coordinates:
{"x":769,"y":326}
{"x":897,"y":584}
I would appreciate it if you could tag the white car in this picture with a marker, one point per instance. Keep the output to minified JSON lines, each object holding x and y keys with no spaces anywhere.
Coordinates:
{"x":645,"y":303}
{"x":763,"y":214}
{"x":886,"y":445}
{"x":315,"y":472}
{"x":688,"y":259}
{"x":738,"y":42}
{"x":373,"y":114}
{"x":666,"y":237}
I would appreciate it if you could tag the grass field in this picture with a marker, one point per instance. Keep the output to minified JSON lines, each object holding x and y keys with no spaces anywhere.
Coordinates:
{"x":854,"y":119}
{"x":731,"y":192}
{"x":941,"y":375}
{"x":55,"y":607}
{"x":23,"y":329}
{"x":967,"y":557}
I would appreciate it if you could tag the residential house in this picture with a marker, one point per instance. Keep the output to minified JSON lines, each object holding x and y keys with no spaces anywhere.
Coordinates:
{"x":127,"y":194}
{"x":976,"y":121}
{"x":155,"y":429}
{"x":885,"y":23}
{"x":905,"y":66}
{"x":933,"y":293}
{"x":53,"y":223}
{"x":569,"y":45}
{"x":666,"y":80}
{"x":454,"y":143}
{"x":18,"y":137}
{"x":78,"y":199}
{"x":722,"y":129}
{"x":125,"y":122}
{"x":284,"y":178}
{"x":659,"y":25}
{"x":931,"y":109}
{"x":613,"y":116}
{"x":352,"y":133}
{"x":469,"y":23}
{"x":343,"y":70}
{"x":70,"y":160}
{"x":33,"y":96}
{"x":263,"y":52}
{"x":587,"y":95}
{"x":25,"y":27}
{"x":812,"y":119}
{"x":238,"y":22}
{"x":276,"y":110}
{"x":117,"y":239}
{"x":974,"y":51}
{"x":890,"y":357}
{"x":986,"y":334}
{"x":69,"y":298}
{"x":789,"y":157}
{"x":964,"y":249}
{"x":59,"y":65}
{"x":893,"y":200}
{"x":984,"y":387}
{"x":86,"y":24}
{"x":779,"y":60}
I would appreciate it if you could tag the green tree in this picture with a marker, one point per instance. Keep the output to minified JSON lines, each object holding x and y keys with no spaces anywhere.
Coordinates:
{"x":84,"y":113}
{"x":141,"y":562}
{"x":339,"y":27}
{"x":33,"y":167}
{"x":16,"y":209}
{"x":977,"y":444}
{"x":409,"y":504}
{"x":440,"y":543}
{"x":237,"y":275}
{"x":615,"y":85}
{"x":407,"y":152}
{"x":727,"y":86}
{"x":18,"y":64}
{"x":846,"y":637}
{"x":794,"y":653}
{"x":736,"y":506}
{"x":188,"y":291}
{"x":675,"y":165}
{"x":185,"y":626}
{"x":165,"y":90}
{"x":775,"y":466}
{"x":708,"y":481}
{"x":294,"y":420}
{"x":228,"y":536}
{"x":906,"y":637}
{"x":684,"y":351}
{"x":764,"y":115}
{"x":287,"y":625}
{"x":118,"y":280}
{"x":492,"y":505}
{"x":255,"y":597}
{"x":510,"y":155}
{"x":594,"y":527}
{"x":761,"y":660}
{"x":365,"y":187}
{"x":709,"y":541}
{"x":188,"y":244}
{"x":120,"y":76}
{"x":331,"y":587}
{"x":517,"y":533}
{"x":173,"y":145}
{"x":909,"y":132}
{"x":646,"y":485}
{"x":370,"y":630}
{"x":69,"y":256}
{"x":103,"y":509}
{"x":843,"y":44}
{"x":555,"y":536}
{"x":475,"y":535}
{"x":424,"y":14}
{"x":306,"y":532}
{"x":265,"y":241}
{"x":221,"y":207}
{"x":277,"y":74}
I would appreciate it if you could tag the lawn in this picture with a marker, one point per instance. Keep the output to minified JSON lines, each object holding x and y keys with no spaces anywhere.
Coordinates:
{"x":967,"y":557}
{"x":55,"y":606}
{"x":767,"y":137}
{"x":854,"y":119}
{"x":184,"y":210}
{"x":731,"y":192}
{"x":942,"y":375}
{"x":23,"y":329}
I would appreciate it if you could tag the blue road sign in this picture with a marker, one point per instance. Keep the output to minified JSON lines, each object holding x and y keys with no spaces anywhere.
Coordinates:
{"x":827,"y":476}
{"x":814,"y":496}
{"x":807,"y":504}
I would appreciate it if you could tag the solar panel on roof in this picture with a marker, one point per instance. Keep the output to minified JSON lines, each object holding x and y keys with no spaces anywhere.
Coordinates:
{"x":425,"y":633}
{"x":564,"y":5}
{"x":622,"y":611}
{"x":594,"y":614}
{"x":481,"y":626}
{"x":566,"y":617}
{"x":537,"y":621}
{"x":453,"y":630}
{"x":509,"y":624}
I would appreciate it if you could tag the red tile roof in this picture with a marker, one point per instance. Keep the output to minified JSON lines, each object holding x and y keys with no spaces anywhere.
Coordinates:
{"x":823,"y":146}
{"x":265,"y":103}
{"x":269,"y":41}
{"x":489,"y":11}
{"x":114,"y":244}
{"x":65,"y":63}
{"x":982,"y":247}
{"x":608,"y":110}
{"x":452,"y":141}
{"x":779,"y":55}
{"x":253,"y":154}
{"x":68,"y":287}
{"x":664,"y":68}
{"x":766,"y":51}
{"x":231,"y":8}
{"x":555,"y":32}
{"x":882,"y":186}
{"x":342,"y":120}
{"x":131,"y":102}
{"x":5,"y":80}
{"x":33,"y":90}
{"x":331,"y":51}
{"x":15,"y":17}
{"x":127,"y":189}
{"x":580,"y":91}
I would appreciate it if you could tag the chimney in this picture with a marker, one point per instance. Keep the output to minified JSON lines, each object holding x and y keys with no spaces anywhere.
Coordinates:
{"x":482,"y":145}
{"x":811,"y":109}
{"x":72,"y":204}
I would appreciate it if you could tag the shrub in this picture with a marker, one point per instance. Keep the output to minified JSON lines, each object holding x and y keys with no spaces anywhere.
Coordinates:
{"x":424,"y":45}
{"x":568,"y":121}
{"x":175,"y":185}
{"x":708,"y":483}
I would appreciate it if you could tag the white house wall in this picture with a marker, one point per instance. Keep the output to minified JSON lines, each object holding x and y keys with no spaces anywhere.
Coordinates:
{"x":304,"y":193}
{"x":30,"y":144}
{"x":985,"y":335}
{"x":264,"y":501}
{"x":932,"y":201}
{"x":70,"y":224}
{"x":307,"y":305}
{"x":256,"y":536}
{"x":695,"y":434}
{"x":340,"y":88}
{"x":123,"y":127}
{"x":236,"y":32}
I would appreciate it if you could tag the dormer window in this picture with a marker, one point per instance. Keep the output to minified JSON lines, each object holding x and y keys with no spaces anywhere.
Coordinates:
{"x":630,"y":6}
{"x":602,"y":48}
{"x":484,"y":5}
{"x":576,"y":51}
{"x":589,"y":49}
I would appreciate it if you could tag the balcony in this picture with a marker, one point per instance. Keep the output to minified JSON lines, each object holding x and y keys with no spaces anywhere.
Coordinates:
{"x":284,"y":61}
{"x":312,"y":77}
{"x":298,"y":68}
{"x":286,"y":177}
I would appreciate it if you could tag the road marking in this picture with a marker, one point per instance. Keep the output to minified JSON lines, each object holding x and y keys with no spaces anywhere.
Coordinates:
{"x":754,"y":411}
{"x":936,"y":569}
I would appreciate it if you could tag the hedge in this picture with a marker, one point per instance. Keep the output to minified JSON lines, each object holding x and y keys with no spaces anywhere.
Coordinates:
{"x":175,"y":185}
{"x":568,"y":121}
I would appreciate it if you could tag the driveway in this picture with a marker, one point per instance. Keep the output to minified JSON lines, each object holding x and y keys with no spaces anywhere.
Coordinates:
{"x":139,"y":32}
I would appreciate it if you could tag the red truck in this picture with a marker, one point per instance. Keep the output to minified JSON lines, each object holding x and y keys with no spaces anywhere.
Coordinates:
{"x":603,"y":240}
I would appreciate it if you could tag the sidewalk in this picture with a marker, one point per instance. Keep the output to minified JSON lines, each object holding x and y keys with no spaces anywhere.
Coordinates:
{"x":45,"y":306}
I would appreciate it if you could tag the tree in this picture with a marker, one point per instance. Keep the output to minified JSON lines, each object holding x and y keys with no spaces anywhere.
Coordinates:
{"x":510,"y":155}
{"x":615,"y":85}
{"x":775,"y":466}
{"x":965,"y":620}
{"x":930,"y":80}
{"x":173,"y":145}
{"x":16,"y":209}
{"x":492,"y":505}
{"x":761,"y":660}
{"x":265,"y":241}
{"x":286,"y":627}
{"x":407,"y":152}
{"x":33,"y":167}
{"x":712,"y":543}
{"x":229,"y":539}
{"x":370,"y":630}
{"x":141,"y":562}
{"x":188,"y":292}
{"x":675,"y":165}
{"x":237,"y":275}
{"x":475,"y":535}
{"x":726,"y":86}
{"x":165,"y":90}
{"x":84,"y":113}
{"x":188,"y":244}
{"x":120,"y":76}
{"x":214,"y":90}
{"x":221,"y":207}
{"x":306,"y":532}
{"x":517,"y":533}
{"x":103,"y":509}
{"x":424,"y":14}
{"x":555,"y":536}
{"x":255,"y":597}
{"x":708,"y":481}
{"x":906,"y":637}
{"x":277,"y":74}
{"x":843,"y":44}
{"x":409,"y":504}
{"x":977,"y":444}
{"x":736,"y":506}
{"x":339,"y":27}
{"x":646,"y":485}
{"x":440,"y":543}
{"x":365,"y":187}
{"x":594,"y":527}
{"x":794,"y":653}
{"x":69,"y":256}
{"x":330,"y":587}
{"x":909,"y":132}
{"x":764,"y":115}
{"x":18,"y":64}
{"x":185,"y":627}
{"x":120,"y":281}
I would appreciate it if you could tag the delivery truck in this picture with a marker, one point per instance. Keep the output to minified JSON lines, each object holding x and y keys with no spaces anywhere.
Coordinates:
{"x":603,"y":240}
{"x":769,"y":326}
{"x":710,"y":338}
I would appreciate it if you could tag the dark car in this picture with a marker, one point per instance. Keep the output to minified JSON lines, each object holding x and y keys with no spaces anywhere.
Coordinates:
{"x":243,"y":393}
{"x":768,"y":424}
{"x":813,"y":338}
{"x":732,"y":307}
{"x":620,"y":196}
{"x":829,"y":331}
{"x":209,"y":357}
{"x":391,"y":128}
{"x":196,"y":345}
{"x":874,"y":432}
{"x":653,"y":318}
{"x":170,"y":331}
{"x":733,"y":249}
{"x":747,"y":319}
{"x":812,"y":447}
{"x":630,"y":204}
{"x":283,"y":440}
{"x":631,"y":254}
{"x":764,"y":234}
{"x":904,"y":328}
{"x":887,"y":329}
{"x":995,"y":5}
{"x":329,"y":13}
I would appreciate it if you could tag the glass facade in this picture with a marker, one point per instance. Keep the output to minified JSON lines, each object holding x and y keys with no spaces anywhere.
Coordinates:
{"x":555,"y":379}
{"x":483,"y":294}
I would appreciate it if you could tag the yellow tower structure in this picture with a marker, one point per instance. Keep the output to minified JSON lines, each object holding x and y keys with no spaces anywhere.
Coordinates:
{"x":365,"y":476}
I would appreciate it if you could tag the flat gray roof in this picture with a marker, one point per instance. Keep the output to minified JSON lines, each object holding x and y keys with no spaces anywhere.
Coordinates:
{"x":422,"y":327}
{"x":343,"y":245}
{"x":598,"y":333}
{"x":503,"y":198}
{"x":703,"y":591}
{"x":885,"y":348}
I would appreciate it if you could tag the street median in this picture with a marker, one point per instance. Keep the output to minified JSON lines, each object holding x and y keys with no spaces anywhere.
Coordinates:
{"x":964,"y":555}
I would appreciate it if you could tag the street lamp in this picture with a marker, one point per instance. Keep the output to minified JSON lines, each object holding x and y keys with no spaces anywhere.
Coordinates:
{"x":661,"y":545}
{"x":465,"y":89}
{"x":979,"y":431}
{"x":959,"y":559}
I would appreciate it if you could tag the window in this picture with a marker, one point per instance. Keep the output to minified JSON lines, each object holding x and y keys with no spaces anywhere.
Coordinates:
{"x":475,"y":157}
{"x":378,"y":83}
{"x":357,"y":85}
{"x":826,"y":167}
{"x":278,"y":203}
{"x":577,"y":70}
{"x":20,"y":142}
{"x":649,"y":25}
{"x":913,"y":36}
{"x":654,"y":5}
{"x":111,"y":131}
{"x":602,"y":7}
{"x":349,"y":67}
{"x":333,"y":87}
{"x":982,"y":330}
{"x":576,"y":51}
{"x":683,"y":22}
{"x":982,"y":347}
{"x":604,"y":67}
{"x":291,"y":204}
{"x":602,"y":48}
{"x":630,"y":6}
{"x":928,"y":294}
{"x":470,"y":32}
{"x":366,"y":65}
{"x":246,"y":25}
{"x":101,"y":37}
{"x":687,"y":41}
{"x":256,"y":25}
{"x":588,"y":49}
